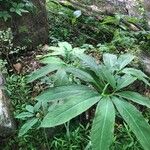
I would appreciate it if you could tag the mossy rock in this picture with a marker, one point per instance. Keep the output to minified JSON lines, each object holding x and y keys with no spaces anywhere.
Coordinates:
{"x":7,"y":125}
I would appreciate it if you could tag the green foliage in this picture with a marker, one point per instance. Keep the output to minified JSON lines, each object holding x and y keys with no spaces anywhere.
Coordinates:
{"x":6,"y":42}
{"x":124,"y":138}
{"x":111,"y":31}
{"x":143,"y":41}
{"x":122,"y":41}
{"x":7,"y":49}
{"x":103,"y":84}
{"x":6,"y":38}
{"x":10,"y":7}
{"x":18,"y":91}
{"x":104,"y":123}
{"x":56,"y":64}
{"x":2,"y":66}
{"x":20,"y":96}
{"x":77,"y":82}
{"x":77,"y":29}
{"x":77,"y":139}
{"x":118,"y":33}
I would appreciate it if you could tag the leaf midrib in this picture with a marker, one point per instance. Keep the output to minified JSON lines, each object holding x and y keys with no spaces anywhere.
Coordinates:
{"x":135,"y":123}
{"x":74,"y":92}
{"x":77,"y":105}
{"x":106,"y":112}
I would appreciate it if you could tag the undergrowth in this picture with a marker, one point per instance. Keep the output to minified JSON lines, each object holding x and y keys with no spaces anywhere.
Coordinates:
{"x":107,"y":35}
{"x":77,"y":136}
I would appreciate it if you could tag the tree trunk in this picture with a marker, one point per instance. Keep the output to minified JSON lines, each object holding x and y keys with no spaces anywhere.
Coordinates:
{"x":30,"y":29}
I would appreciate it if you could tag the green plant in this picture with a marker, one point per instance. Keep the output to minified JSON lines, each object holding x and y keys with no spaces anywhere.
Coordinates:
{"x":10,"y":7}
{"x":57,"y":60}
{"x":33,"y":116}
{"x":2,"y":66}
{"x":57,"y":67}
{"x":8,"y":52}
{"x":125,"y":139}
{"x":123,"y":41}
{"x":6,"y":38}
{"x":6,"y":44}
{"x":104,"y":85}
{"x":76,"y":27}
{"x":18,"y":91}
{"x":78,"y":138}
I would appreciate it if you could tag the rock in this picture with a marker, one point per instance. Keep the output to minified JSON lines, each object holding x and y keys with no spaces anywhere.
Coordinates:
{"x":144,"y":59}
{"x":31,"y":29}
{"x":128,"y":7}
{"x":147,"y":9}
{"x":7,"y":125}
{"x":147,"y":5}
{"x":133,"y":8}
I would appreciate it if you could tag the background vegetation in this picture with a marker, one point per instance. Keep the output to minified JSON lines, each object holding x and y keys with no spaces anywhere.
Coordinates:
{"x":117,"y":34}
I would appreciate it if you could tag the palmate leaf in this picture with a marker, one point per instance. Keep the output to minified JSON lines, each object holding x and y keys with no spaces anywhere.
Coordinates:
{"x":89,"y":77}
{"x":103,"y":125}
{"x":101,"y":71}
{"x":135,"y":97}
{"x":42,"y":72}
{"x":70,"y":108}
{"x":135,"y":120}
{"x":62,"y":92}
{"x":90,"y":63}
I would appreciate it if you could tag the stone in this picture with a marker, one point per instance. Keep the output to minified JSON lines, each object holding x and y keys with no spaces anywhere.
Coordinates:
{"x":144,"y":59}
{"x":32,"y":28}
{"x":133,"y":8}
{"x":107,"y":7}
{"x":7,"y":124}
{"x":147,"y":9}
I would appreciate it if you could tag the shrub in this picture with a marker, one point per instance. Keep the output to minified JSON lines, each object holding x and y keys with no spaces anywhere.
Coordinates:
{"x":101,"y":84}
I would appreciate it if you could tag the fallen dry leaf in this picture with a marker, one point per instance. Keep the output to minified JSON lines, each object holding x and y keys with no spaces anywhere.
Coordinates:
{"x":18,"y":67}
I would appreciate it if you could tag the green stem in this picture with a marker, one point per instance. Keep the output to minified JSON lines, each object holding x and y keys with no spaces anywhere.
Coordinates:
{"x":45,"y":135}
{"x":88,"y":146}
{"x":105,"y":88}
{"x":67,"y":129}
{"x":99,"y":88}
